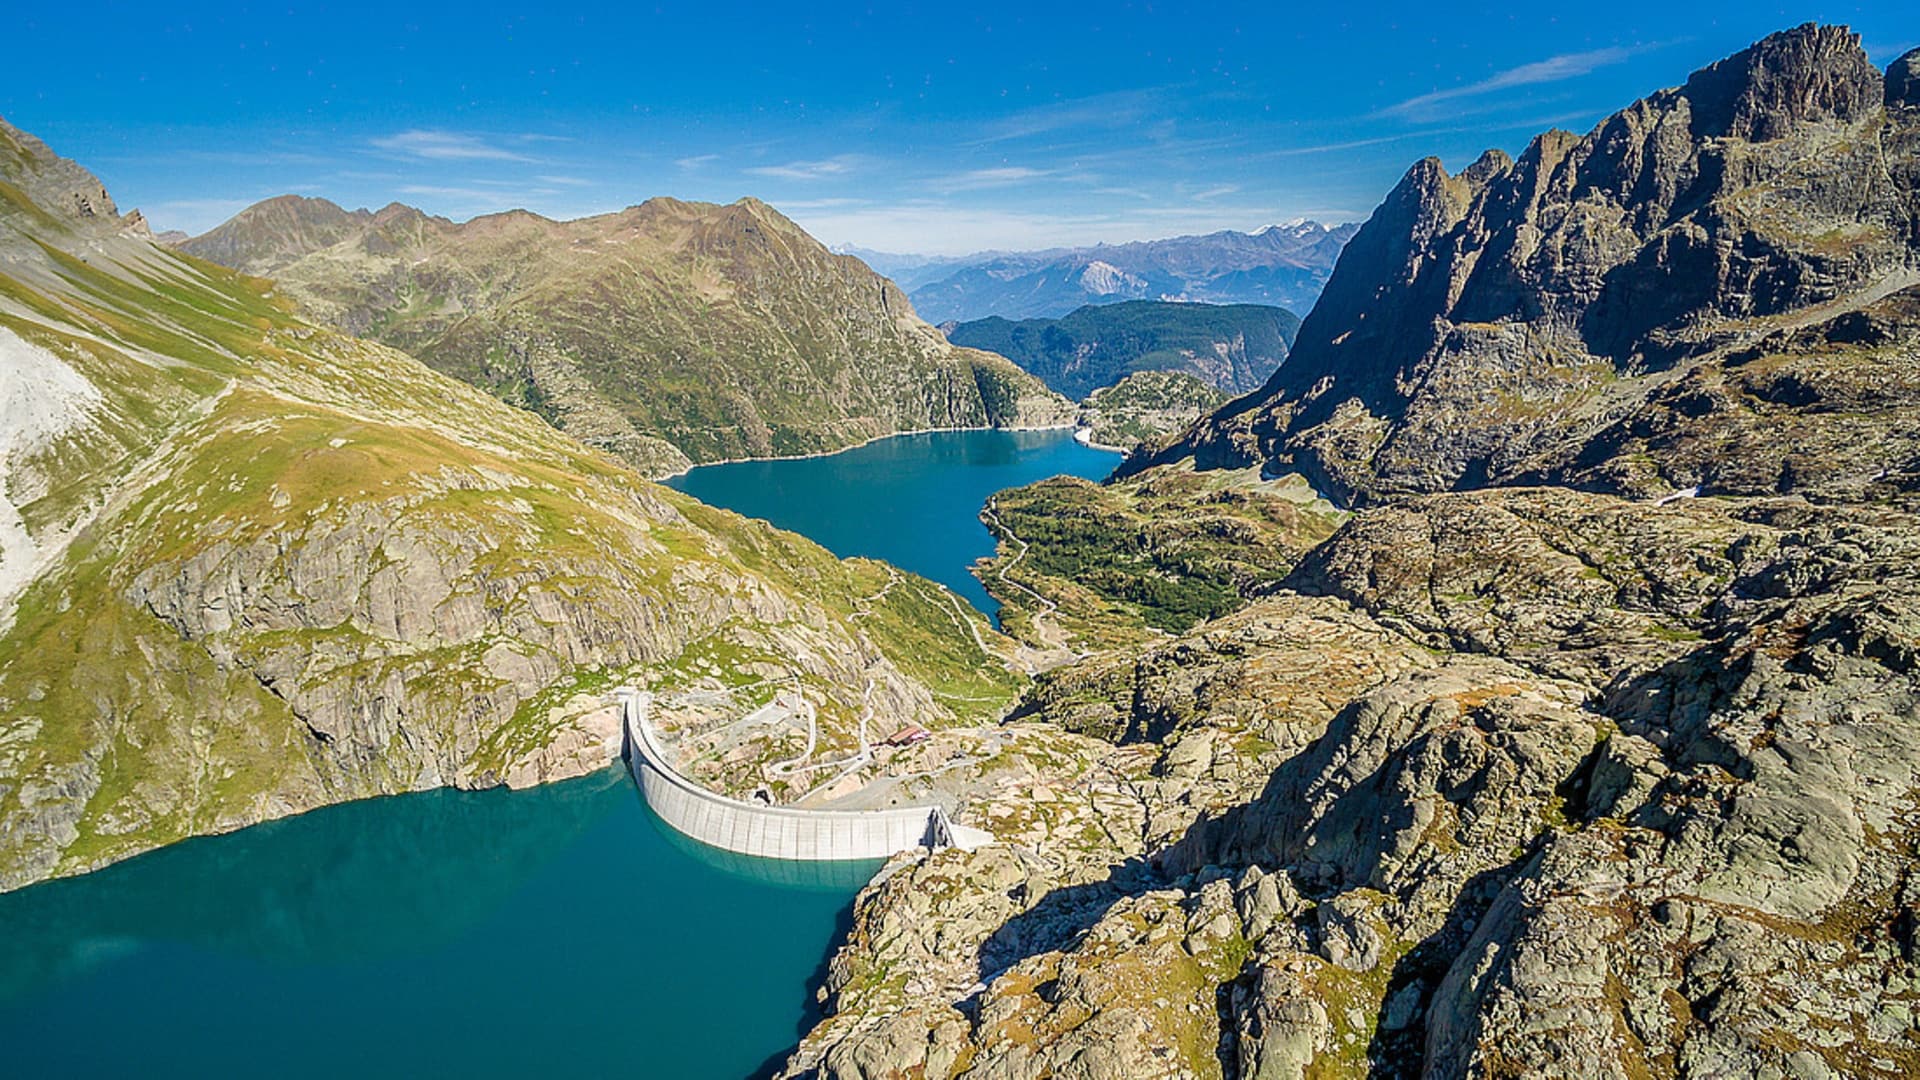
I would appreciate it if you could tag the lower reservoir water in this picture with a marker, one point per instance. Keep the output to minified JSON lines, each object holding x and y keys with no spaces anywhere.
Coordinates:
{"x":558,"y":931}
{"x":913,"y":500}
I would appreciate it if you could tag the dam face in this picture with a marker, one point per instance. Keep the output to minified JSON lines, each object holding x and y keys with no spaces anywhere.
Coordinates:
{"x":775,"y":832}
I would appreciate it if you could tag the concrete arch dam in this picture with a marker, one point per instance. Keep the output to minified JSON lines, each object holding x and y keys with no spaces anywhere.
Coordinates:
{"x":776,"y":832}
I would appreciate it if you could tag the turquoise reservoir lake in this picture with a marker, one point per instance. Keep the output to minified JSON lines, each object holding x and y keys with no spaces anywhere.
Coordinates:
{"x":913,"y":500}
{"x":562,"y":930}
{"x":557,"y":931}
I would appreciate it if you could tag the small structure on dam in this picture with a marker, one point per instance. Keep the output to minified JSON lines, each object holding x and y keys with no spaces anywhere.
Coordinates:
{"x":775,"y":832}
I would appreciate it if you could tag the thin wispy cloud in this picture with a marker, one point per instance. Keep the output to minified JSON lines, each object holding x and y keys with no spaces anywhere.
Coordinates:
{"x":565,"y":181}
{"x":807,"y":170}
{"x":987,"y":179}
{"x":1219,"y":192}
{"x":1348,"y":144}
{"x":697,"y":160}
{"x":482,"y":196}
{"x":1118,"y":108}
{"x":1552,"y":69}
{"x":818,"y":204}
{"x":255,"y":158}
{"x":433,"y":145}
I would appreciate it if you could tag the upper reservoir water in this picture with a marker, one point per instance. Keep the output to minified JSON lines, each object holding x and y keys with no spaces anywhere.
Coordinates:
{"x":913,"y":500}
{"x":558,"y":931}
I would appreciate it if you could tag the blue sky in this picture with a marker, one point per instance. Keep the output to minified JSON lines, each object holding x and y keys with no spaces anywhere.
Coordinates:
{"x":895,"y":126}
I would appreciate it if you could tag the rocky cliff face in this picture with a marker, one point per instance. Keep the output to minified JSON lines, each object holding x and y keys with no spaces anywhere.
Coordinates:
{"x":1678,"y":279}
{"x":1532,"y":783}
{"x":1231,"y":347}
{"x":1531,"y":779}
{"x":669,"y":332}
{"x":249,"y":566}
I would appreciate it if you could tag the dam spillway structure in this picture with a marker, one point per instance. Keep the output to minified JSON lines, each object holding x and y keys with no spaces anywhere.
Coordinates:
{"x":775,"y":832}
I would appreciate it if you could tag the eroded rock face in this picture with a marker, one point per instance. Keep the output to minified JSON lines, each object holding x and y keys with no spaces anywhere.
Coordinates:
{"x":1660,"y":304}
{"x":1541,"y":783}
{"x":1903,"y":81}
{"x":1809,"y":75}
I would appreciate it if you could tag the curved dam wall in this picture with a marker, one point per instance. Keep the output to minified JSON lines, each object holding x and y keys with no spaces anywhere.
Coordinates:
{"x":776,"y":832}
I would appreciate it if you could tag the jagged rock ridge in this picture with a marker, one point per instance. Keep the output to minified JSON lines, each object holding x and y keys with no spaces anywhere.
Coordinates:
{"x":1616,"y":310}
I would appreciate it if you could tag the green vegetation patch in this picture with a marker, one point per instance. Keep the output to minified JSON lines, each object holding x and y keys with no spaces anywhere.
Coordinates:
{"x":1164,"y":550}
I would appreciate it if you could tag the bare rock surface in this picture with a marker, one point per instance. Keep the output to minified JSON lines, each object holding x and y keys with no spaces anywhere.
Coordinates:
{"x":1589,"y":745}
{"x":1713,"y":289}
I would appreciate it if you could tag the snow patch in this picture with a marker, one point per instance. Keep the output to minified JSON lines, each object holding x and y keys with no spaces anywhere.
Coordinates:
{"x":1105,"y":279}
{"x":41,"y":399}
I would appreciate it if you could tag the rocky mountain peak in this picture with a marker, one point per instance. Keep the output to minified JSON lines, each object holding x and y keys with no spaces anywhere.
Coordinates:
{"x":1105,"y":279}
{"x":397,"y":211}
{"x":52,"y":183}
{"x":1809,"y":73}
{"x":276,"y":229}
{"x":1489,"y":165}
{"x":1487,"y":325}
{"x":1903,"y":81}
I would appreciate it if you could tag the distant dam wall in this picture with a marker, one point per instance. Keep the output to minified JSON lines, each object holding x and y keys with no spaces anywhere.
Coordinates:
{"x":776,"y":832}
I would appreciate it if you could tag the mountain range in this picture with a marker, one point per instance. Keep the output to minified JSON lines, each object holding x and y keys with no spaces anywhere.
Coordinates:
{"x":668,"y":333}
{"x":1230,"y":347}
{"x":1282,"y":265}
{"x":250,"y":565}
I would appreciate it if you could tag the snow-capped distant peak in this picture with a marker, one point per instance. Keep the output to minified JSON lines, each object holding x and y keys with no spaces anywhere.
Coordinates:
{"x":1105,"y":279}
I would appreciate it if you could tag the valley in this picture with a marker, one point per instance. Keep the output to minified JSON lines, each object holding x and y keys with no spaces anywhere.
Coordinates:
{"x":1509,"y":669}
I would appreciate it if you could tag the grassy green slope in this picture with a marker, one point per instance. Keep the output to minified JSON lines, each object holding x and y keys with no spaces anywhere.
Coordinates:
{"x":668,"y":332}
{"x":284,"y":567}
{"x":1121,"y":563}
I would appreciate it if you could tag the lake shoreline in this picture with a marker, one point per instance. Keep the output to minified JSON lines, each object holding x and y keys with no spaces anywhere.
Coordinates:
{"x":912,"y":503}
{"x":1076,"y":428}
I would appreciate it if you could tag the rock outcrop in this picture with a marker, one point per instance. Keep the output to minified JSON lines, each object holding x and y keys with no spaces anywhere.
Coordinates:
{"x":1676,"y":299}
{"x":1903,"y":81}
{"x":1144,"y":405}
{"x":1419,"y":815}
{"x":1523,"y":771}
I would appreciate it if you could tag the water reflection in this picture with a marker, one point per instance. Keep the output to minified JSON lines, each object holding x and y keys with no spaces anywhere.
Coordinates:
{"x":345,"y":882}
{"x":811,"y":875}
